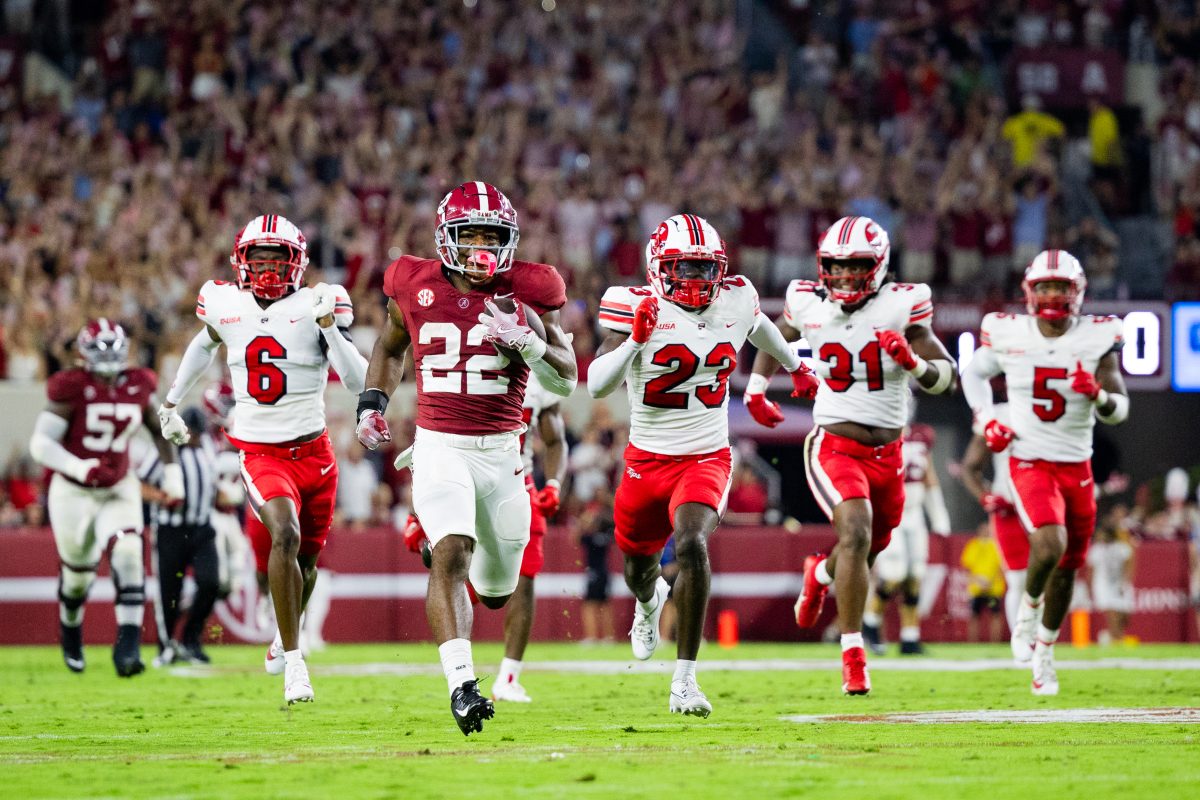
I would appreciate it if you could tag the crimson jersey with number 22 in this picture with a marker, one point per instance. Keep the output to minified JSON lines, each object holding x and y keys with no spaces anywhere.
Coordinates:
{"x":861,"y":383}
{"x":276,"y":360}
{"x":679,"y":383}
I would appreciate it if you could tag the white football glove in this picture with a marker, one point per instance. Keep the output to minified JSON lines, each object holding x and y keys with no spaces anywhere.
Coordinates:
{"x":324,"y":300}
{"x":172,"y":482}
{"x":504,"y":328}
{"x":174,"y":429}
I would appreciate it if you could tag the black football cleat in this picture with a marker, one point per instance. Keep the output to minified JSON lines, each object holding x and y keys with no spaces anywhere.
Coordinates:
{"x":127,"y":652}
{"x":912,"y":649}
{"x":470,"y":708}
{"x":873,"y":636}
{"x":427,"y":554}
{"x":192,"y":653}
{"x":72,"y":646}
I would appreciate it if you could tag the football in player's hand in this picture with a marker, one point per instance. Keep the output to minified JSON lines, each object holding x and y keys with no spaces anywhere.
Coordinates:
{"x":508,"y":305}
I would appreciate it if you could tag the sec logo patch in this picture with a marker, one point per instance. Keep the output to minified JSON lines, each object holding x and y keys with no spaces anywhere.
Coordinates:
{"x":425,"y":298}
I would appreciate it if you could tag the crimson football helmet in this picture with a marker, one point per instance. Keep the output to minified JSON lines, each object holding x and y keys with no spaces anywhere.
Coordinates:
{"x":1054,"y":265}
{"x":218,"y":402}
{"x":103,"y":346}
{"x":476,"y":204}
{"x":853,"y":239}
{"x":686,"y":261}
{"x":270,"y":278}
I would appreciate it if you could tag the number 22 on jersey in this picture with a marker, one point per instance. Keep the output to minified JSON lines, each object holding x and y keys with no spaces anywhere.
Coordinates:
{"x":440,"y":372}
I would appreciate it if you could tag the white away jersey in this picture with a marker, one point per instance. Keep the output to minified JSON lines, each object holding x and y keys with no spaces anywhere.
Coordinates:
{"x":679,"y":384}
{"x":1052,"y":422}
{"x":860,"y":382}
{"x":537,"y":400}
{"x":276,"y":361}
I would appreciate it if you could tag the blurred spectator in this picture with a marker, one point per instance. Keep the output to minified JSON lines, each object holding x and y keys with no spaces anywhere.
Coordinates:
{"x":1179,"y":518}
{"x":596,"y":538}
{"x":1096,"y":248}
{"x":1030,"y":130}
{"x":981,"y":559}
{"x":357,"y":482}
{"x":748,"y":499}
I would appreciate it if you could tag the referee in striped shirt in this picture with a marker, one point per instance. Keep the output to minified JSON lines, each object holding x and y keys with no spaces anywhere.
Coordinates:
{"x":184,"y":537}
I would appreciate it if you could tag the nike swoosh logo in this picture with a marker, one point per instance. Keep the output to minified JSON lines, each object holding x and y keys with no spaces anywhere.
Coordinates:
{"x":294,"y":321}
{"x":325,"y":471}
{"x":701,"y":461}
{"x":462,"y":714}
{"x":730,"y":324}
{"x":1085,"y":483}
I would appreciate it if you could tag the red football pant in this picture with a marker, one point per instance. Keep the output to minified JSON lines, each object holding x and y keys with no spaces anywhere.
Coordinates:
{"x":306,"y":474}
{"x":1057,"y":493}
{"x":1011,"y":538}
{"x":841,"y":469}
{"x":655,"y":485}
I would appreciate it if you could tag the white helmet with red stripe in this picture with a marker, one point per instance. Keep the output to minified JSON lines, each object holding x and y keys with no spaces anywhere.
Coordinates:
{"x":1054,"y":265}
{"x":864,"y":242}
{"x":476,"y":204}
{"x":686,"y":261}
{"x":281,"y":254}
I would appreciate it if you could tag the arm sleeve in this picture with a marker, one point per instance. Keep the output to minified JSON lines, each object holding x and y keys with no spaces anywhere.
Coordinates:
{"x":192,"y":366}
{"x":46,"y":447}
{"x":766,"y":337}
{"x":607,"y":371}
{"x":347,"y":362}
{"x":976,"y":382}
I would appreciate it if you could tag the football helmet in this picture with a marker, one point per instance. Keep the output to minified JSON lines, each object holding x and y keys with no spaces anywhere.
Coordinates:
{"x":470,"y":205}
{"x":853,"y":238}
{"x":270,"y":278}
{"x":686,"y":261}
{"x":218,"y":402}
{"x":1054,"y":265}
{"x":103,"y":346}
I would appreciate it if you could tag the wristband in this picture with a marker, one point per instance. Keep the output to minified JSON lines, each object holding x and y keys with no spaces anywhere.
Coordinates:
{"x":534,"y":350}
{"x":371,"y":400}
{"x":553,"y":482}
{"x":757,"y":384}
{"x":1101,"y":399}
{"x":918,"y":368}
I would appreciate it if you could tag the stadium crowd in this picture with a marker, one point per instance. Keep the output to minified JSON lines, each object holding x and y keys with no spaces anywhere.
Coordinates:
{"x":136,"y":135}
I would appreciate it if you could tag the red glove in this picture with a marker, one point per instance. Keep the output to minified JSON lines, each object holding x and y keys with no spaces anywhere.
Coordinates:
{"x":804,"y":384}
{"x":546,"y":500}
{"x":764,"y":411}
{"x":372,"y":430}
{"x":995,"y":504}
{"x":998,"y":436}
{"x":896,"y":345}
{"x":414,"y":534}
{"x":644,"y":320}
{"x":1084,"y":382}
{"x":102,"y":474}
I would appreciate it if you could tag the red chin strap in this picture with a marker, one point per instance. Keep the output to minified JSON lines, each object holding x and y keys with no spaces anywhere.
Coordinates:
{"x":692,"y":292}
{"x":1054,"y":310}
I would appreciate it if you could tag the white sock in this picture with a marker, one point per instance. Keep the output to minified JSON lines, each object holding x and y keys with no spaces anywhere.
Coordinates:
{"x":1047,"y":636}
{"x":278,"y":643}
{"x":851,"y":640}
{"x":651,"y":605}
{"x":1014,"y":580}
{"x":910,"y":633}
{"x":510,"y":671}
{"x":292,"y":657}
{"x":684,"y":669}
{"x":822,"y":574}
{"x":872,"y":619}
{"x":1029,"y":601}
{"x":457,"y":665}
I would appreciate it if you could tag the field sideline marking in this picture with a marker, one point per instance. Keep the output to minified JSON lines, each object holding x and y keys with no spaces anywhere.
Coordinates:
{"x":1151,"y":716}
{"x":599,"y":667}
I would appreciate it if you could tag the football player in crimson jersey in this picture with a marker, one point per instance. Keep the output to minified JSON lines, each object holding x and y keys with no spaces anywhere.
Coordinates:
{"x":473,"y":318}
{"x":83,"y":436}
{"x":869,"y":338}
{"x":1062,"y":374}
{"x":996,"y":498}
{"x":675,"y":343}
{"x":281,"y":338}
{"x":541,"y":410}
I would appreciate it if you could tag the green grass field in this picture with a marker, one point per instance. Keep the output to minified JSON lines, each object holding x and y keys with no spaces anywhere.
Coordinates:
{"x":381,"y":727}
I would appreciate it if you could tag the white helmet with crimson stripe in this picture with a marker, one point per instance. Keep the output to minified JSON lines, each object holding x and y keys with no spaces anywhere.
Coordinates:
{"x":686,"y":261}
{"x":269,"y":257}
{"x":1054,"y":265}
{"x":852,"y":259}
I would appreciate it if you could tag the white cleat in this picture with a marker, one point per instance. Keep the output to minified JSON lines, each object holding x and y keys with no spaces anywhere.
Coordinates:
{"x":510,"y":692}
{"x":1024,"y":633}
{"x":687,"y":699}
{"x":644,"y":633}
{"x":297,"y":688}
{"x":1045,"y":679}
{"x":274,"y":662}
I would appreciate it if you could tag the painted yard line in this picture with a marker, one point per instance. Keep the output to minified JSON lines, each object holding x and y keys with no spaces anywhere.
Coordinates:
{"x":1149,"y":716}
{"x":723,"y":665}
